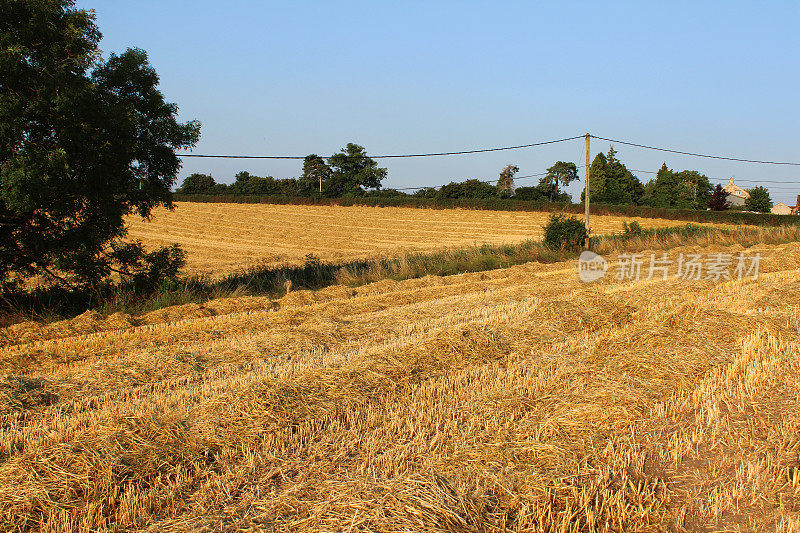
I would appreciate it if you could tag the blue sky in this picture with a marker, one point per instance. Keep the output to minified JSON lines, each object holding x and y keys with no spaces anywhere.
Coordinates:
{"x":397,"y":77}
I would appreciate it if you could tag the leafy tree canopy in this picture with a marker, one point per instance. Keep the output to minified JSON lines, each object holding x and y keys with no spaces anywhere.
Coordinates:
{"x":687,"y":189}
{"x":83,"y":142}
{"x":198,"y":184}
{"x":352,"y":169}
{"x":467,"y":189}
{"x":559,"y":175}
{"x":759,"y":200}
{"x":315,"y":173}
{"x":612,"y":183}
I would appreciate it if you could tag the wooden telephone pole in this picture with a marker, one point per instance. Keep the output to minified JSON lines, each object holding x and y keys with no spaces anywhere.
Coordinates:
{"x":586,"y":191}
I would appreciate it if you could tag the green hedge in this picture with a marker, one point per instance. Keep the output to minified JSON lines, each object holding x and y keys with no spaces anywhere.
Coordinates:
{"x":502,"y":204}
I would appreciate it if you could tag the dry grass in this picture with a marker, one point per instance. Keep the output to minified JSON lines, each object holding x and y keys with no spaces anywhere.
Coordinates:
{"x":513,"y":400}
{"x":223,"y":238}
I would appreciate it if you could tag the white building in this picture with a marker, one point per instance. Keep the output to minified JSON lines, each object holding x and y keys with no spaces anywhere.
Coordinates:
{"x":781,"y":209}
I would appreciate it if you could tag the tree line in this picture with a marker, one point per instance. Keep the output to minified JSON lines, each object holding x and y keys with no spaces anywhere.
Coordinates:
{"x":352,"y":173}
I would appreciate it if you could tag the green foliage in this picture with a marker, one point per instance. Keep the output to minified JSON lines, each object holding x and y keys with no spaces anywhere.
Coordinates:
{"x":472,"y":188}
{"x":634,"y":228}
{"x":315,"y":172}
{"x":83,"y":143}
{"x":564,"y":233}
{"x":352,"y":169}
{"x":247,"y":183}
{"x":144,"y":271}
{"x":759,"y":200}
{"x":612,"y":183}
{"x":198,"y":184}
{"x":718,"y":200}
{"x":687,"y":189}
{"x":559,"y":175}
{"x":288,"y":186}
{"x":531,"y":194}
{"x":505,"y":184}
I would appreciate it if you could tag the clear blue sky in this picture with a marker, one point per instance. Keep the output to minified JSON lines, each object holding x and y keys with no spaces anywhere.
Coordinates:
{"x":397,"y":77}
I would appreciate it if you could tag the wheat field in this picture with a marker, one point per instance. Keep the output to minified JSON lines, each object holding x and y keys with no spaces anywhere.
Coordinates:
{"x":518,"y":399}
{"x":224,"y":238}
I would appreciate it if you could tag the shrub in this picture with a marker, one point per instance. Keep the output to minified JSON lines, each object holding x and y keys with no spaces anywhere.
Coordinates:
{"x":634,"y":228}
{"x":564,"y":233}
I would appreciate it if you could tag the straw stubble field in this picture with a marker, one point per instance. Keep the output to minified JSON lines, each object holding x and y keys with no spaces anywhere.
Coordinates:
{"x":513,"y":400}
{"x":223,"y":238}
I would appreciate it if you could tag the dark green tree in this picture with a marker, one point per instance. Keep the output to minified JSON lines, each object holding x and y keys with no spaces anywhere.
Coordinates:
{"x":198,"y":184}
{"x":287,"y":186}
{"x":83,"y":143}
{"x":315,"y":172}
{"x":559,"y":175}
{"x":694,"y":189}
{"x":719,"y":199}
{"x":759,"y":200}
{"x":426,"y":192}
{"x":352,"y":170}
{"x":687,"y":189}
{"x":467,"y":189}
{"x":564,"y":233}
{"x":533,"y":194}
{"x":241,"y":183}
{"x":612,"y":183}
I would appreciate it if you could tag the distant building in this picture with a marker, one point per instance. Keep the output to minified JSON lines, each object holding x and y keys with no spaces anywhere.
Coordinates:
{"x":796,"y":208}
{"x":782,"y":209}
{"x":736,"y":195}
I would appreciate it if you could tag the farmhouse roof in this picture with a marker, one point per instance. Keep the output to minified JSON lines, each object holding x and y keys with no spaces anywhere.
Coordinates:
{"x":732,"y":188}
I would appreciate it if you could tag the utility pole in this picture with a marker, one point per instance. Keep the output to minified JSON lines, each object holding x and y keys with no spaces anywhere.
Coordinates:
{"x":586,"y":191}
{"x":320,"y":182}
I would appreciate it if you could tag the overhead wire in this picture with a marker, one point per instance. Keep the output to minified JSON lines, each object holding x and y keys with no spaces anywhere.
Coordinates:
{"x":529,"y":145}
{"x":393,"y":156}
{"x":693,"y":154}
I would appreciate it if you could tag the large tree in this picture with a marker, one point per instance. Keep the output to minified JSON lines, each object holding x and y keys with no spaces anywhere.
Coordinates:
{"x":611,"y":182}
{"x":759,"y":200}
{"x":687,"y":189}
{"x":559,"y":175}
{"x":352,"y":170}
{"x":505,"y":183}
{"x":83,"y":143}
{"x":315,"y":173}
{"x":198,"y":184}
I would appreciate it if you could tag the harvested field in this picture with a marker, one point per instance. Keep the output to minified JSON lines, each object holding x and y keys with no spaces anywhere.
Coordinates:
{"x":513,"y":400}
{"x":223,"y":238}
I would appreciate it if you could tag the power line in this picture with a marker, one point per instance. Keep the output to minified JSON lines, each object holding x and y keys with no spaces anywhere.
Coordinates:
{"x":516,"y":147}
{"x":697,"y":155}
{"x":391,"y":156}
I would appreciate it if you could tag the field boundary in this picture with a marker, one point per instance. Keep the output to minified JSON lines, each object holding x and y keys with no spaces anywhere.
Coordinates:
{"x":502,"y":204}
{"x":275,"y":281}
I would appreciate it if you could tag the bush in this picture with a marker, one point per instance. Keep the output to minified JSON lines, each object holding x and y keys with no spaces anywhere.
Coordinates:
{"x":634,"y":228}
{"x":564,"y":233}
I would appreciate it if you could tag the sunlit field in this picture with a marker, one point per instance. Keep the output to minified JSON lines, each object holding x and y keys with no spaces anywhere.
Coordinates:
{"x":519,"y":399}
{"x":223,"y":238}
